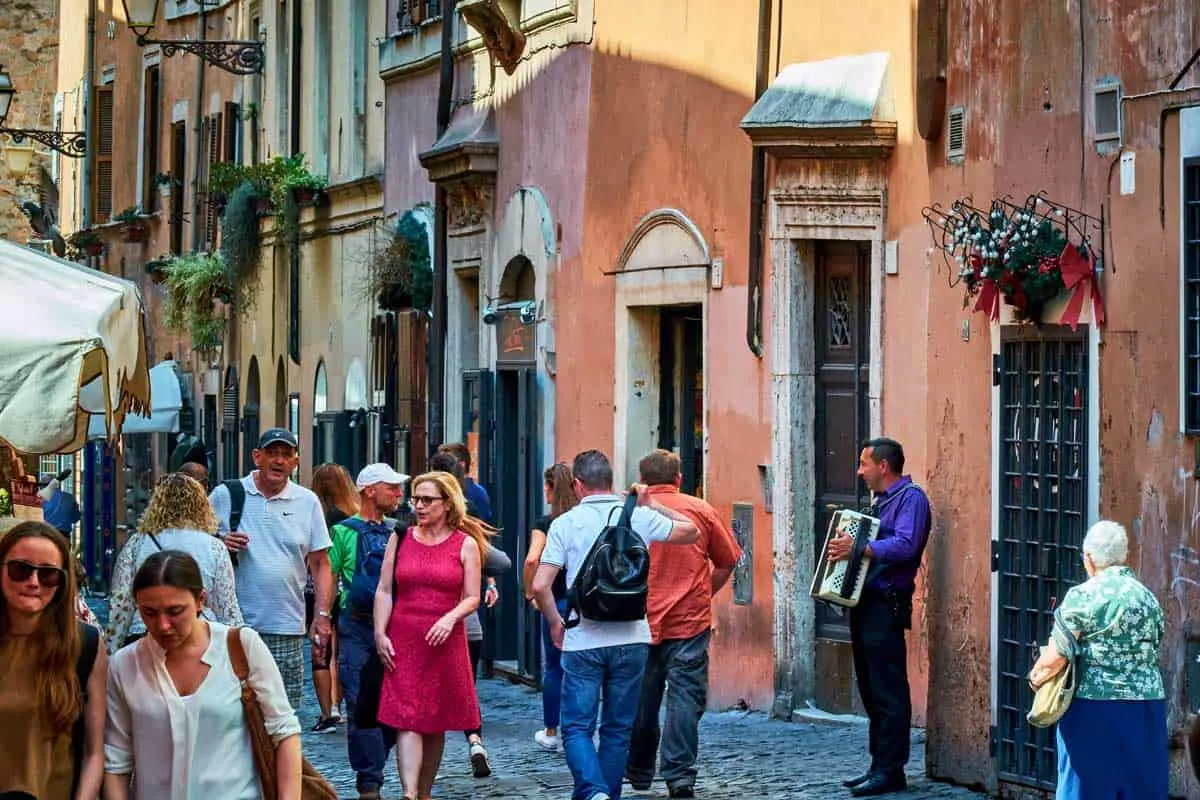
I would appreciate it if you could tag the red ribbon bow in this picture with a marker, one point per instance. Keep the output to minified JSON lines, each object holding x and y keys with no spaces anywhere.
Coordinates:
{"x":1079,"y":275}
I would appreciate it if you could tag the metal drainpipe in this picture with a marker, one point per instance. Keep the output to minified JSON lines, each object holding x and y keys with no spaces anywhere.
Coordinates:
{"x":758,"y":175}
{"x":441,"y":263}
{"x":89,"y":155}
{"x":201,"y":155}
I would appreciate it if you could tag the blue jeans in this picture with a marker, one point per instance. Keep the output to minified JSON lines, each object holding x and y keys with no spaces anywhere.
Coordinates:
{"x":680,"y":668}
{"x":552,"y":673}
{"x":614,"y":675}
{"x":367,"y":747}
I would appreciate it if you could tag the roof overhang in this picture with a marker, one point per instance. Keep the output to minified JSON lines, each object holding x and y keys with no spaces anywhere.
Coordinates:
{"x":468,"y":149}
{"x":837,"y":108}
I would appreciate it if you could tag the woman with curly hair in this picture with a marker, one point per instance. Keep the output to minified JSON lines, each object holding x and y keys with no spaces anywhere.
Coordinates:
{"x":178,"y":517}
{"x":428,"y":688}
{"x":52,"y":673}
{"x":332,"y":485}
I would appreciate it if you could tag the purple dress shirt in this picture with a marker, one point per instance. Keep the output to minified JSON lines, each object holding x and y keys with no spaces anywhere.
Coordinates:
{"x":904,"y":523}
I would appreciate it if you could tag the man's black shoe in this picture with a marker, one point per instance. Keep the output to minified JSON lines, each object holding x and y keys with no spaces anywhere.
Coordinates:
{"x":62,"y":476}
{"x":881,"y":783}
{"x":681,"y":790}
{"x":850,"y":783}
{"x":638,"y":785}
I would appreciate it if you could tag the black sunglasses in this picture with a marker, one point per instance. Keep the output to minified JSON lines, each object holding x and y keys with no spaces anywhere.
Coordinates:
{"x":22,"y":571}
{"x":426,"y":500}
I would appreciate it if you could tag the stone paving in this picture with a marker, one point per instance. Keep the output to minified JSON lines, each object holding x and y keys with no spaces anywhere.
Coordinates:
{"x":743,"y":755}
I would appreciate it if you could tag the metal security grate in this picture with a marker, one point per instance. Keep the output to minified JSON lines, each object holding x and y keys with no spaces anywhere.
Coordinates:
{"x":956,"y":136}
{"x":1043,"y":501}
{"x":1191,"y":295}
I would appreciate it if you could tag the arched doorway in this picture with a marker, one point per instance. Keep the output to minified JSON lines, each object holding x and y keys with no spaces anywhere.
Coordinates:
{"x":250,"y":414}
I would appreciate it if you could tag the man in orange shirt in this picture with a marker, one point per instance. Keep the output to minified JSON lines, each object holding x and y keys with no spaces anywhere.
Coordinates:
{"x":683,"y":581}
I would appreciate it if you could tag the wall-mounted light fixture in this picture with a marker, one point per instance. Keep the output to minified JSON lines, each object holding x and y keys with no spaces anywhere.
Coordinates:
{"x":70,"y":143}
{"x":241,"y":57}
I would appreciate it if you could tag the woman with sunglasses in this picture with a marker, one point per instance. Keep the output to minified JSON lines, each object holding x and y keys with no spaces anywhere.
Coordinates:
{"x":52,"y":673}
{"x":175,"y":716}
{"x":428,"y":686}
{"x":178,"y":517}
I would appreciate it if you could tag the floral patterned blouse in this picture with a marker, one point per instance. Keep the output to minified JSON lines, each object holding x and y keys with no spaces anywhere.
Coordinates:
{"x":1120,"y":627}
{"x":215,"y":568}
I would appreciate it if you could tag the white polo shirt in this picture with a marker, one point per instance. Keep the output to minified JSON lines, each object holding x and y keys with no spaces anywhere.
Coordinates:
{"x":271,"y":571}
{"x":568,"y":542}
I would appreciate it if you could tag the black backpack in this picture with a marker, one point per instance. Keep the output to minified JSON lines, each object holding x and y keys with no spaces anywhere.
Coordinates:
{"x":89,"y":646}
{"x":237,"y":504}
{"x":372,"y":541}
{"x":612,"y":582}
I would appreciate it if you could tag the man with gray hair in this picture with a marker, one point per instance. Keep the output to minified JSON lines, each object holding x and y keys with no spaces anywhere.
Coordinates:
{"x":602,"y":660}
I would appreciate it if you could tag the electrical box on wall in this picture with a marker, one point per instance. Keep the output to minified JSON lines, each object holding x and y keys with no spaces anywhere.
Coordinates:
{"x":891,"y":258}
{"x":717,"y":273}
{"x":1127,"y":171}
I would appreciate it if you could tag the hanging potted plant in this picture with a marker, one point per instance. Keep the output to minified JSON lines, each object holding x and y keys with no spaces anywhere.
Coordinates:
{"x":306,"y":187}
{"x":87,"y":243}
{"x":195,"y":281}
{"x":165,"y":185}
{"x":132,"y":228}
{"x":156,"y":268}
{"x":400,"y":274}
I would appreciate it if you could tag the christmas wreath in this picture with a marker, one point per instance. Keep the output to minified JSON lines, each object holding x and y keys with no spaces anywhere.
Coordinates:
{"x":1023,"y":255}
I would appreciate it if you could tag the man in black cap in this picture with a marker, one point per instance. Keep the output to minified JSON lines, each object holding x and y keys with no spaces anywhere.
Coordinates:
{"x":276,"y":528}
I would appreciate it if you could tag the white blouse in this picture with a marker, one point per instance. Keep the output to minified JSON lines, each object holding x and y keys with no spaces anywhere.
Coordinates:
{"x":198,"y":748}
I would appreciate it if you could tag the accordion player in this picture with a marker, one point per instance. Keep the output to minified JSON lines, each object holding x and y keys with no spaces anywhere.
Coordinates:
{"x":842,"y":582}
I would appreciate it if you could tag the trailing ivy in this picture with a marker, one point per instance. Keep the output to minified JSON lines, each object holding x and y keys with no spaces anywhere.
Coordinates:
{"x":194,"y":282}
{"x":240,"y":234}
{"x":400,"y":273}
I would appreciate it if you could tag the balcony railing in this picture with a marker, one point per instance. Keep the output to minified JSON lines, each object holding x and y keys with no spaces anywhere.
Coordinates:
{"x":412,"y":13}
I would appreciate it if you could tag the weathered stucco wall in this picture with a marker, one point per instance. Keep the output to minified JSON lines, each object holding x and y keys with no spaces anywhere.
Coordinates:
{"x":29,"y":44}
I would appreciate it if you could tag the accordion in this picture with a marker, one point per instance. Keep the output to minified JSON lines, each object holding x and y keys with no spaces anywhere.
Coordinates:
{"x":842,"y":582}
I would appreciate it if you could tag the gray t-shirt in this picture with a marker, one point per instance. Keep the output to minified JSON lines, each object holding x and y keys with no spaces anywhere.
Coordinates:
{"x":568,"y":541}
{"x":271,"y":571}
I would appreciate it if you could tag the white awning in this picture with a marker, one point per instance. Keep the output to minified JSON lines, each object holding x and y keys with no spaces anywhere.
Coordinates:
{"x":164,"y":417}
{"x":63,"y":326}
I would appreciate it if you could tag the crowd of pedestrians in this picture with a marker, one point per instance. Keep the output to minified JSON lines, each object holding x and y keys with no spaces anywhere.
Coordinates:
{"x":193,"y":688}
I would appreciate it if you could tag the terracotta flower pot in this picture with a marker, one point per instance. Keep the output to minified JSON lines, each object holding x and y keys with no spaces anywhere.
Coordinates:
{"x":96,"y":249}
{"x":306,"y":197}
{"x":133,"y":233}
{"x":263,"y":207}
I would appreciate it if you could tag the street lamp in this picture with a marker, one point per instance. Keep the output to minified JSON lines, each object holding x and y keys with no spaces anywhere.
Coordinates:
{"x":242,"y":57}
{"x":69,"y":143}
{"x":19,"y":157}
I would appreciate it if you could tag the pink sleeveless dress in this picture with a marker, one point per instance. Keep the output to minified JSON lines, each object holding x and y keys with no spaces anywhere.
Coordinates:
{"x":432,"y":689}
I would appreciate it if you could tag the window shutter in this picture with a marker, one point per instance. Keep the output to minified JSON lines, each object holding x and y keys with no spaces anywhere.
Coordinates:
{"x":104,"y":151}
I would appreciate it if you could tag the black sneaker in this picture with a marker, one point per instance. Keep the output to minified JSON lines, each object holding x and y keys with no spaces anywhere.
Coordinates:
{"x":325,"y":725}
{"x":681,"y":790}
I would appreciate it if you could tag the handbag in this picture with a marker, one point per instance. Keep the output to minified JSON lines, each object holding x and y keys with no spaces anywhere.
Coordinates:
{"x":313,"y":785}
{"x":1052,"y":699}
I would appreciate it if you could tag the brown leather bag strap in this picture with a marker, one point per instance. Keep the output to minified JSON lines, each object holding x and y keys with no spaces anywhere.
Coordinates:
{"x":237,"y":654}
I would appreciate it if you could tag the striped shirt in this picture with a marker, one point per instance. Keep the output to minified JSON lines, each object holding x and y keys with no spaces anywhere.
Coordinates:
{"x":271,"y":571}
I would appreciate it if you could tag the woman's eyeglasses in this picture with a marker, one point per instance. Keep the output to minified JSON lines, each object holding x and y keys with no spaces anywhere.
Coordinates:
{"x":22,"y":571}
{"x":426,"y":500}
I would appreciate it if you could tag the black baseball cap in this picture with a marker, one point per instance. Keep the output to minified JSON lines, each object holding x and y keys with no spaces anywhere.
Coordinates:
{"x":278,"y":435}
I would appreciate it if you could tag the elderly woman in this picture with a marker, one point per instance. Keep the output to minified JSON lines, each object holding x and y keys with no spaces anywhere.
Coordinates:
{"x":179,"y":517}
{"x":1112,"y":742}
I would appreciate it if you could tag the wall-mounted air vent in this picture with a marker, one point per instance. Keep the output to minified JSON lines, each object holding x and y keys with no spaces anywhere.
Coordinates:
{"x":956,"y":133}
{"x":1106,"y":105}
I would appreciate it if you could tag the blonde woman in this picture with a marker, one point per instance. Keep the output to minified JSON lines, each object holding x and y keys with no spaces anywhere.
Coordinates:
{"x":178,"y":517}
{"x":428,"y":686}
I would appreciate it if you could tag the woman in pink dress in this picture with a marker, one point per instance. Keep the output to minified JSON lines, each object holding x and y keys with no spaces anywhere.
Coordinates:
{"x":428,"y":686}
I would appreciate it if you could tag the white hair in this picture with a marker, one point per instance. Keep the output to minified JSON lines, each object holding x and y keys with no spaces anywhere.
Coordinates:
{"x":1107,"y":543}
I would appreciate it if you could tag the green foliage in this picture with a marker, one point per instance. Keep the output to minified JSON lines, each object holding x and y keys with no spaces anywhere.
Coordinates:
{"x":400,"y":274}
{"x":289,"y":173}
{"x":240,"y":232}
{"x":129,"y":216}
{"x":194,"y":281}
{"x":81,"y":240}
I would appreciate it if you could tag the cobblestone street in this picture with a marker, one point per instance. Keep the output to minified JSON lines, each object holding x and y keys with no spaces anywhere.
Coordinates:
{"x":743,"y":755}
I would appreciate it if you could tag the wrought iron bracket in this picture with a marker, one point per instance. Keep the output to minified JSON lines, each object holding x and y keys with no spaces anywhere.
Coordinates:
{"x":241,"y":57}
{"x":72,"y":144}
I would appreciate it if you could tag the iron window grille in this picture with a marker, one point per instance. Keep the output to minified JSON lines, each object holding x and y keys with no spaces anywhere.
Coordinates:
{"x":1191,"y":295}
{"x":412,"y":13}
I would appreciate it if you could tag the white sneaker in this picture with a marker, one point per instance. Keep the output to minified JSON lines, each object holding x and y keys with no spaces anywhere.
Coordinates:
{"x":548,"y":741}
{"x":480,"y":767}
{"x":601,"y":796}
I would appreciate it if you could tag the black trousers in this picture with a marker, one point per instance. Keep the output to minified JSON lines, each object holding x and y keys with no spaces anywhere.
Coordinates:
{"x":877,"y":626}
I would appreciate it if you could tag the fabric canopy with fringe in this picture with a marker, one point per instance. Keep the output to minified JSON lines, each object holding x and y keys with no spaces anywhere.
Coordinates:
{"x":62,"y":327}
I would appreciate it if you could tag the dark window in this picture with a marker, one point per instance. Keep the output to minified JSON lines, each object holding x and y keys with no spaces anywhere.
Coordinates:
{"x":102,"y":210}
{"x":151,"y":140}
{"x":413,"y":12}
{"x":233,"y":133}
{"x":178,"y":175}
{"x":212,"y":139}
{"x":1191,"y":276}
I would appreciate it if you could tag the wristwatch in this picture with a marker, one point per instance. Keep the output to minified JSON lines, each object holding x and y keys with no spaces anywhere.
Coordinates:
{"x":324,"y":614}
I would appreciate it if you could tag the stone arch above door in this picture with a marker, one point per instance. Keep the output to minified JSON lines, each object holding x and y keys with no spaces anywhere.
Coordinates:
{"x":664,"y":238}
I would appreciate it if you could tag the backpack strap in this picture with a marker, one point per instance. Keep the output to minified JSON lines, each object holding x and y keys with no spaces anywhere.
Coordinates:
{"x":237,"y":654}
{"x":626,"y":519}
{"x":237,"y":501}
{"x":89,"y":647}
{"x":154,"y":539}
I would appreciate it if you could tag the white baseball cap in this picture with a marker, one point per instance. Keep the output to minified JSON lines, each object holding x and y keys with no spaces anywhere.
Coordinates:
{"x":372,"y":474}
